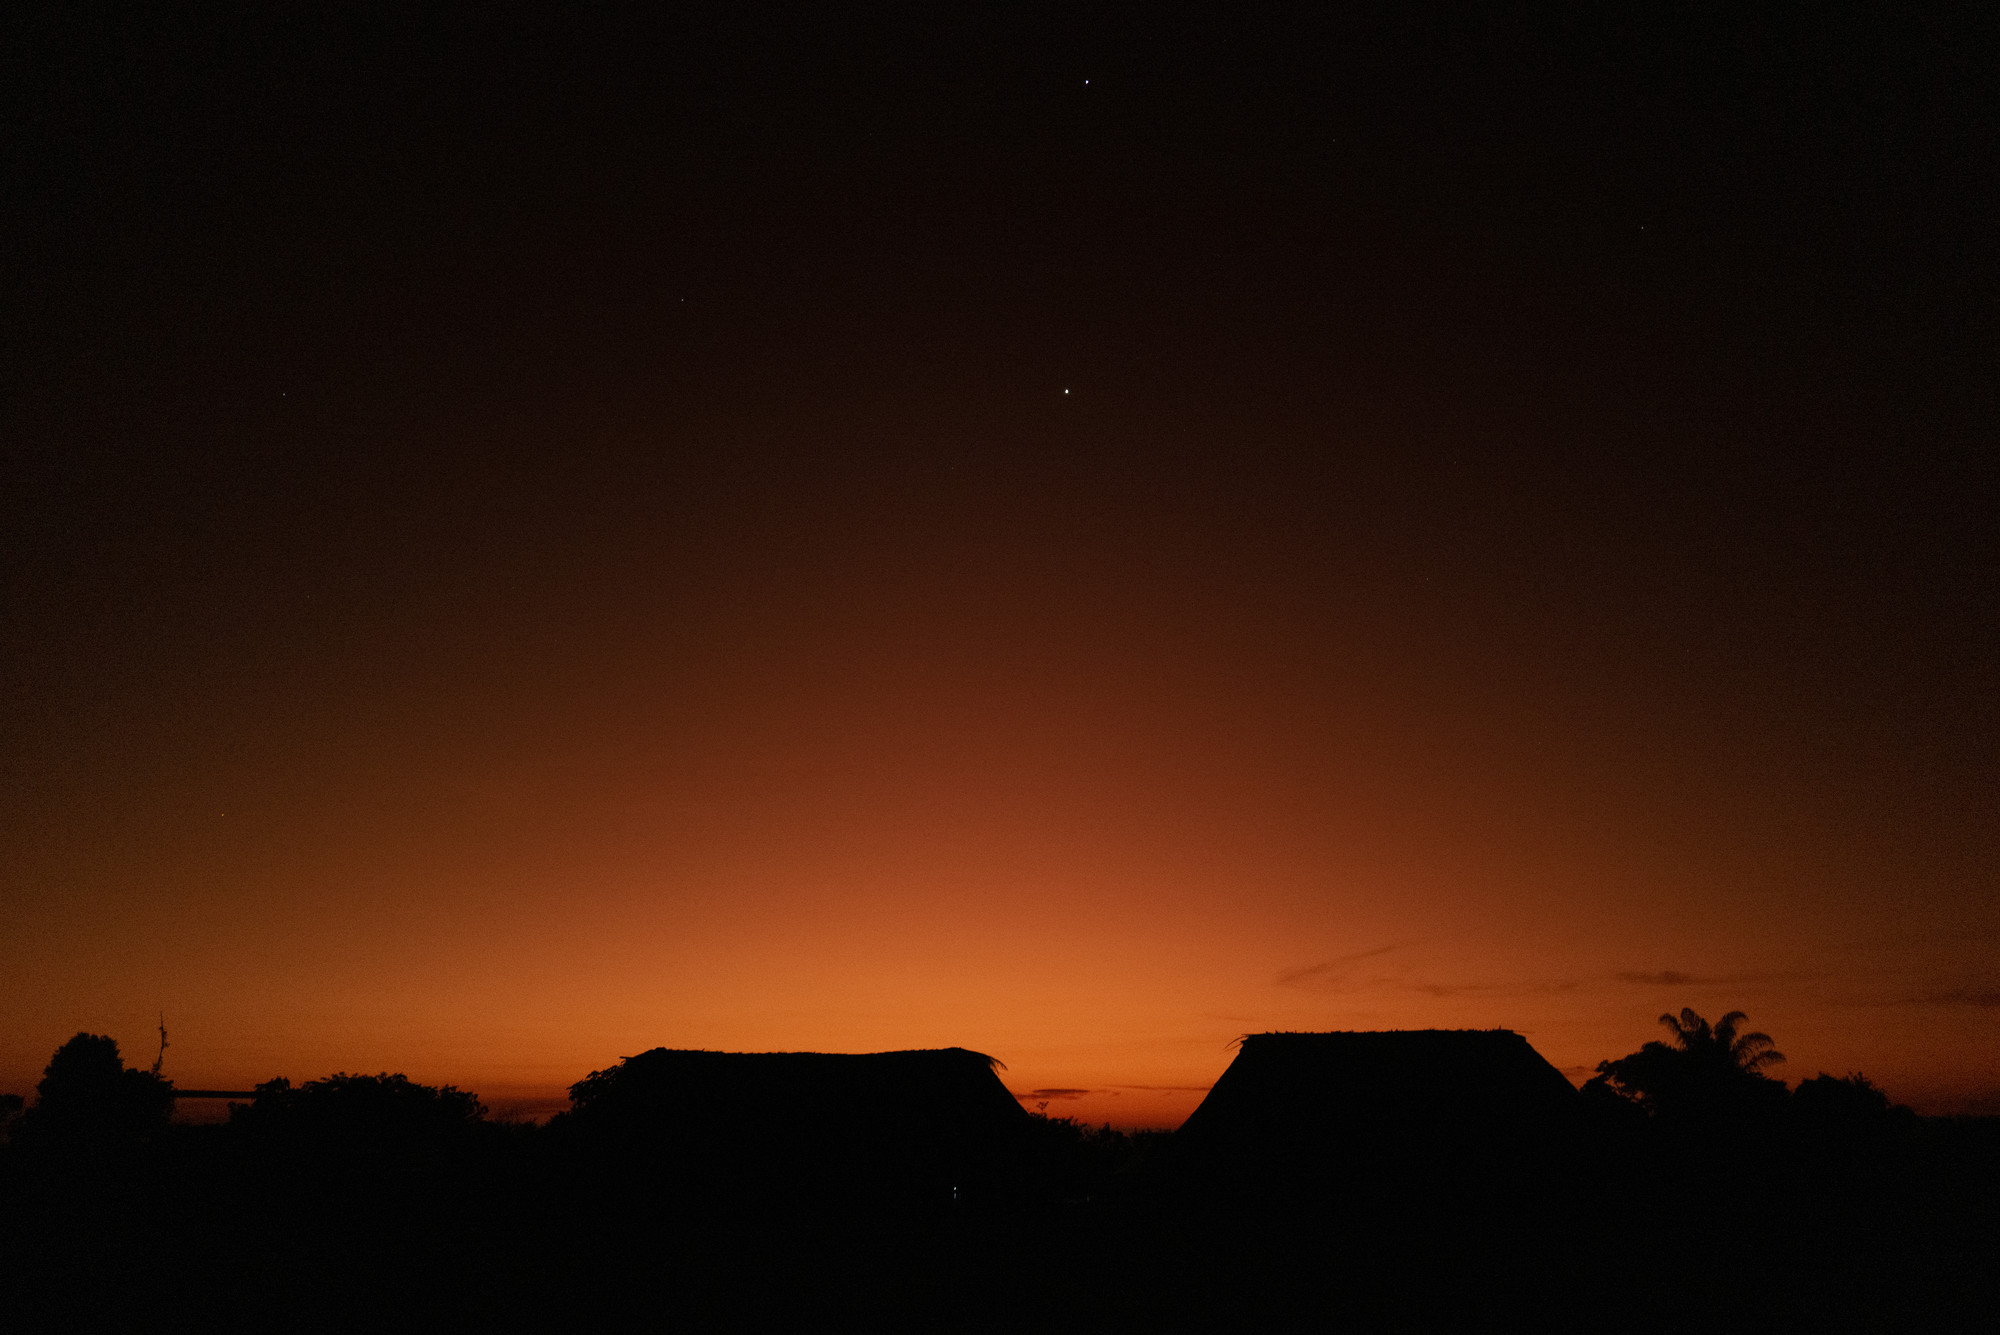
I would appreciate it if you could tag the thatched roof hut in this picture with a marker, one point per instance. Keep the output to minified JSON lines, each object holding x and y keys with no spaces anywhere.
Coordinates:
{"x":1377,"y":1109}
{"x":917,"y":1122}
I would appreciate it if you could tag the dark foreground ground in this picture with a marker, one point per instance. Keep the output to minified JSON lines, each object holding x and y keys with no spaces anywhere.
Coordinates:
{"x":514,"y":1230}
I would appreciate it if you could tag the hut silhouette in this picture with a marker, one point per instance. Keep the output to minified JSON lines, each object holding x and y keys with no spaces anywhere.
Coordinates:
{"x":932,"y":1125}
{"x":1377,"y":1112}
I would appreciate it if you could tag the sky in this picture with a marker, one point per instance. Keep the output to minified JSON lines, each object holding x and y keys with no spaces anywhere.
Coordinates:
{"x":1073,"y":534}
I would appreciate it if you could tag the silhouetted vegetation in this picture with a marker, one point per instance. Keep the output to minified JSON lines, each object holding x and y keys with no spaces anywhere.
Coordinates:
{"x":1848,"y":1106}
{"x":359,"y":1115}
{"x":1708,"y":1075}
{"x":89,"y":1101}
{"x":1074,"y":1163}
{"x":1389,"y":1181}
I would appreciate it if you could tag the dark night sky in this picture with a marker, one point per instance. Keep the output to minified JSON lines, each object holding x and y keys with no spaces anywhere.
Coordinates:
{"x":1076,"y":532}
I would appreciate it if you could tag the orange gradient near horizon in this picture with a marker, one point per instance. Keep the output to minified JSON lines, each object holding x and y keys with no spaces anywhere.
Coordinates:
{"x":521,"y":545}
{"x":855,"y":781}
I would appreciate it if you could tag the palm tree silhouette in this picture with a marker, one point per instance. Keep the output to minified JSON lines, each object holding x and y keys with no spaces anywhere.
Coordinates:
{"x":1719,"y":1044}
{"x":1707,"y":1070}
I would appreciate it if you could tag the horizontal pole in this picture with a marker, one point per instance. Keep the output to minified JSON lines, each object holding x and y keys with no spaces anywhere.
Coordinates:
{"x":215,"y":1093}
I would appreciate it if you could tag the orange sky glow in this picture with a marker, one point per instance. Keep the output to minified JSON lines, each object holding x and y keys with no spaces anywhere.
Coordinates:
{"x":941,"y":787}
{"x":511,"y":561}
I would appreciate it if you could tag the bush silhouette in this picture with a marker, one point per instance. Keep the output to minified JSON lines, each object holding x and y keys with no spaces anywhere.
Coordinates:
{"x":1848,"y":1112}
{"x":10,"y":1115}
{"x":88,"y":1099}
{"x":371,"y":1116}
{"x":1841,"y":1098}
{"x":1075,"y":1161}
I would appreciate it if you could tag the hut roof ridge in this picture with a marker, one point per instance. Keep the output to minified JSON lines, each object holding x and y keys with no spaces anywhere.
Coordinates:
{"x":951,"y":1053}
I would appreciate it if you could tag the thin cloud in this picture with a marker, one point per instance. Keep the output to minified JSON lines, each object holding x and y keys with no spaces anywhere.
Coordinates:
{"x":1984,"y":998}
{"x":1658,"y":978}
{"x":1330,"y":974}
{"x":1053,"y":1095}
{"x":1754,"y":978}
{"x":1454,"y":989}
{"x":1492,"y":989}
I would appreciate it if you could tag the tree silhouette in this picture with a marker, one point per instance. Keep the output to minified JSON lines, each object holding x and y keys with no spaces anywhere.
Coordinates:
{"x":88,"y":1099}
{"x":1711,"y":1071}
{"x":1719,"y":1045}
